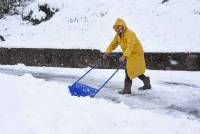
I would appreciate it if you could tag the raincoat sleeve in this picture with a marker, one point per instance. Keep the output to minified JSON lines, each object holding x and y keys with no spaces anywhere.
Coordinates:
{"x":112,"y":45}
{"x":131,"y":41}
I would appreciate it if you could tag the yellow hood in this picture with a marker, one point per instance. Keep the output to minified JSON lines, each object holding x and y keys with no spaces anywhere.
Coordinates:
{"x":120,"y":21}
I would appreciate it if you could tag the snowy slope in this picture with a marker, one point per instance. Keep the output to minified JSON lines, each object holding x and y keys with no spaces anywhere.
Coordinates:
{"x":30,"y":105}
{"x":169,"y":27}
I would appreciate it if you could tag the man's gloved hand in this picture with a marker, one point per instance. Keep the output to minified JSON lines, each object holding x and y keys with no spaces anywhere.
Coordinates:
{"x":105,"y":56}
{"x":122,"y":58}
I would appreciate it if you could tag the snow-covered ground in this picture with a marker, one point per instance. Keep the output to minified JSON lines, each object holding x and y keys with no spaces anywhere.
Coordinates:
{"x":36,"y":100}
{"x":169,"y":27}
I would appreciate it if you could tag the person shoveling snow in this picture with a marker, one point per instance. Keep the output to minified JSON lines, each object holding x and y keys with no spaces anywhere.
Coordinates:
{"x":133,"y":57}
{"x":133,"y":53}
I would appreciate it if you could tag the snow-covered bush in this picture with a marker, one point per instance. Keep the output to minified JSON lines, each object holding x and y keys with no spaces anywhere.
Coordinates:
{"x":38,"y":12}
{"x":10,"y":7}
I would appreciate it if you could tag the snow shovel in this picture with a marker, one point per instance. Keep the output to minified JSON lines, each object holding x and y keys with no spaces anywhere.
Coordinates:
{"x":79,"y":89}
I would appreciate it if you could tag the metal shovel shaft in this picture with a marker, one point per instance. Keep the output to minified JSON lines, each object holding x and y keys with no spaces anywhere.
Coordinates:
{"x":86,"y":72}
{"x":121,"y":65}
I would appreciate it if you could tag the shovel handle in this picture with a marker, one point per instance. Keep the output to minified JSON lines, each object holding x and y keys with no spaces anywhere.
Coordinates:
{"x":120,"y":67}
{"x":87,"y":72}
{"x":99,"y":61}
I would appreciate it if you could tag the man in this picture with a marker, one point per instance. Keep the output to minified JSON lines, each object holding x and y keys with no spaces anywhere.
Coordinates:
{"x":133,"y":54}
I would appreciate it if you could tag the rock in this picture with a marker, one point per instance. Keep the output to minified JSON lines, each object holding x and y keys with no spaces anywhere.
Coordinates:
{"x":164,"y":1}
{"x":2,"y":38}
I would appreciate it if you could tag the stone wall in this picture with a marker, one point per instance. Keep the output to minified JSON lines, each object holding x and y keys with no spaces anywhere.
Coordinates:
{"x":173,"y":61}
{"x":79,"y":58}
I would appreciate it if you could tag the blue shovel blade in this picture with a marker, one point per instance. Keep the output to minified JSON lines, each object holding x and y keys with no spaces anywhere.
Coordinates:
{"x":83,"y":90}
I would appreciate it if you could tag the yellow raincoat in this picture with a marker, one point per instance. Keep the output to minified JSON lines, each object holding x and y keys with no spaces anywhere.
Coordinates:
{"x":131,"y":48}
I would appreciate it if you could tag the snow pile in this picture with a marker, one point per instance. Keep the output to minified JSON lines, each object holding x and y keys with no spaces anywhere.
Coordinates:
{"x":169,"y":27}
{"x":30,"y":105}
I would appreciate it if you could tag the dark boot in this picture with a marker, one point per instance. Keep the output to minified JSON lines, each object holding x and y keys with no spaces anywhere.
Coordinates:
{"x":146,"y":81}
{"x":127,"y":87}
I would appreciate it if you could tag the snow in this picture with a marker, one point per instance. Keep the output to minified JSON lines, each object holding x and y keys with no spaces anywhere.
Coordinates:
{"x":169,"y":27}
{"x":36,"y":100}
{"x":36,"y":13}
{"x":32,"y":105}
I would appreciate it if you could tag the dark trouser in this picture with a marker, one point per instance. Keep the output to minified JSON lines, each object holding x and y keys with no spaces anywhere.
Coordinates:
{"x":127,"y":77}
{"x":128,"y":83}
{"x":141,"y":77}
